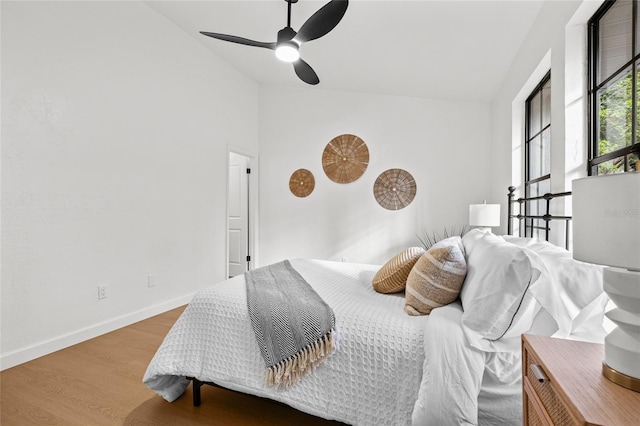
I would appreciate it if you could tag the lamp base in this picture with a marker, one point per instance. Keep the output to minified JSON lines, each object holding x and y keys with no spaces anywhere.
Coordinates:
{"x":622,"y":345}
{"x":620,"y":379}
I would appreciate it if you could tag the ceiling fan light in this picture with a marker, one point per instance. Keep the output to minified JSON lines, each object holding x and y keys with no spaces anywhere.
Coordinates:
{"x":287,"y":52}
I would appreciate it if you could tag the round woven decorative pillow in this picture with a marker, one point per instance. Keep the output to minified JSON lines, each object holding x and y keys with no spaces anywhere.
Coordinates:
{"x":392,"y":277}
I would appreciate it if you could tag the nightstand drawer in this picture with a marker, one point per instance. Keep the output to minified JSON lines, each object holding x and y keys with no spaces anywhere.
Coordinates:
{"x":542,"y":387}
{"x":562,"y":384}
{"x":533,"y":419}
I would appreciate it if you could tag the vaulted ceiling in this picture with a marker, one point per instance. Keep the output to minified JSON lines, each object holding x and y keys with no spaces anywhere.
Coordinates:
{"x":448,"y":49}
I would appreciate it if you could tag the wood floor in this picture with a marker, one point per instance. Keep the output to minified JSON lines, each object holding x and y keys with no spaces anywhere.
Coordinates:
{"x":99,"y":382}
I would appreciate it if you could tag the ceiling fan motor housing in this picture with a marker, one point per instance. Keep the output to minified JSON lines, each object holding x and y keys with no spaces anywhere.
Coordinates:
{"x":286,"y":34}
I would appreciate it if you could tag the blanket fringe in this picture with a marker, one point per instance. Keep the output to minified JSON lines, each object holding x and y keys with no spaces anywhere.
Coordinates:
{"x":291,"y":370}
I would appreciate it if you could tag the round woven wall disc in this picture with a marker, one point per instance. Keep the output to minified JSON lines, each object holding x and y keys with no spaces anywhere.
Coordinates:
{"x":394,"y":189}
{"x":345,"y":158}
{"x":302,"y":183}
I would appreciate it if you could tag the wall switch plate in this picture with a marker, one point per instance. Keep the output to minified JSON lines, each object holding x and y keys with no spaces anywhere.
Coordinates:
{"x":102,"y":291}
{"x":151,"y":280}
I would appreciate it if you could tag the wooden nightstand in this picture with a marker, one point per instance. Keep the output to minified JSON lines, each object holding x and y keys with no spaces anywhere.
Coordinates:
{"x":562,"y":384}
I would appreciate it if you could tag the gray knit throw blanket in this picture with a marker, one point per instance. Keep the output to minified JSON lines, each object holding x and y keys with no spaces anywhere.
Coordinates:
{"x":294,"y":327}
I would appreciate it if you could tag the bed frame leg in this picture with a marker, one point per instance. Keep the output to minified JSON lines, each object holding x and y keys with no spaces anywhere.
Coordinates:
{"x":197,"y":384}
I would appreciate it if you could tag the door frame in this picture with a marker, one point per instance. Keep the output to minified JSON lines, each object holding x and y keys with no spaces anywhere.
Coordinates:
{"x":252,"y":213}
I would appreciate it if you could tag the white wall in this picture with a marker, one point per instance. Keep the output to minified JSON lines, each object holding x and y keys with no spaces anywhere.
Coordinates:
{"x":443,"y":144}
{"x":557,"y":41}
{"x":115,"y":129}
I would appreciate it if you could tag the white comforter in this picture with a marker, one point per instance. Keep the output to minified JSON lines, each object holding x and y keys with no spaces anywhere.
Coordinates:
{"x":375,"y":378}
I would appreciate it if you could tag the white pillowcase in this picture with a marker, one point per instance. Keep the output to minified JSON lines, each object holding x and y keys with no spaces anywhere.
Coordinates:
{"x":498,"y":305}
{"x":570,"y":290}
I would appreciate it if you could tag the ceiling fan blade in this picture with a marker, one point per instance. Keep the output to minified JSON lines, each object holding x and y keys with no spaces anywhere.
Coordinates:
{"x":305,"y":72}
{"x":323,"y":21}
{"x":240,"y":40}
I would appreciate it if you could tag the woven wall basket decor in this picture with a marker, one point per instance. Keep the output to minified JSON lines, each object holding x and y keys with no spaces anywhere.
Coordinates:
{"x":301,"y":183}
{"x":345,"y":158}
{"x":394,"y":189}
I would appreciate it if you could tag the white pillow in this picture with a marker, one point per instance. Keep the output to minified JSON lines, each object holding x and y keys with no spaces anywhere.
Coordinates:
{"x":568,"y":288}
{"x":495,"y":296}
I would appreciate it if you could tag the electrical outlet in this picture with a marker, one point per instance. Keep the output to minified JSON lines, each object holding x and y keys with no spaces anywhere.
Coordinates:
{"x":151,"y":280}
{"x":102,"y":291}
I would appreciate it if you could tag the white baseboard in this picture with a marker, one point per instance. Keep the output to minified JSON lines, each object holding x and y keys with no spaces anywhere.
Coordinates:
{"x":32,"y":352}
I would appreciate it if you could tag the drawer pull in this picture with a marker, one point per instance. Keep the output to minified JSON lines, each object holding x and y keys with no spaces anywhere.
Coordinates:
{"x":537,"y":371}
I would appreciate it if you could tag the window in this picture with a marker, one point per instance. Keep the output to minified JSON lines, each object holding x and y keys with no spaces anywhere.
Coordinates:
{"x":537,"y":155}
{"x":614,"y":81}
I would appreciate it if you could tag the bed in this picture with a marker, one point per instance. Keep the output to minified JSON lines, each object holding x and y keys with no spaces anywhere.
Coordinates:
{"x":458,"y":365}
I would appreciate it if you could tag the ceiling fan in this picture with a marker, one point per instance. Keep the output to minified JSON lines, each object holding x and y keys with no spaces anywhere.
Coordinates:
{"x":289,"y":41}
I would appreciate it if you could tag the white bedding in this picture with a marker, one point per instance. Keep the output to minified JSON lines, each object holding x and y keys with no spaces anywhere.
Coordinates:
{"x":375,"y":378}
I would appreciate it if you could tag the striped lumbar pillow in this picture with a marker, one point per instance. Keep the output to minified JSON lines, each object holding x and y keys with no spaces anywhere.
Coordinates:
{"x":392,"y":277}
{"x":436,"y":279}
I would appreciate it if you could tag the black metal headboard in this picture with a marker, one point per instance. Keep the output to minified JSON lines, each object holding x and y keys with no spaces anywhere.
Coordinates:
{"x":547,"y":217}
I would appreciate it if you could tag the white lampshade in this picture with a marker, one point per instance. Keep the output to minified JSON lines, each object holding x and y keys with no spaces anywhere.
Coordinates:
{"x":484,"y":215}
{"x":606,"y":220}
{"x":606,"y":231}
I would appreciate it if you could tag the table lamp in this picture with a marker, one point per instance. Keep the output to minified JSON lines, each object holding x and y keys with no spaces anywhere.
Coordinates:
{"x":606,"y":231}
{"x":484,"y":215}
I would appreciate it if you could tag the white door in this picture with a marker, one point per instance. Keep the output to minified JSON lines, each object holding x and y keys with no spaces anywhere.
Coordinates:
{"x":238,"y":214}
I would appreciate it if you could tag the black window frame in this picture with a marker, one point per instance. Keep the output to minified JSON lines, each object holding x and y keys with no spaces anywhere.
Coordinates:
{"x":594,"y":89}
{"x":534,"y":225}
